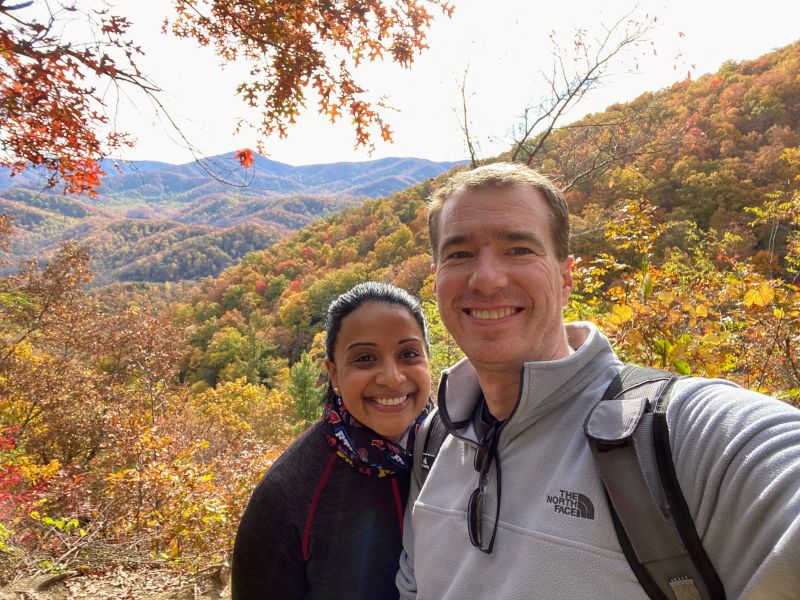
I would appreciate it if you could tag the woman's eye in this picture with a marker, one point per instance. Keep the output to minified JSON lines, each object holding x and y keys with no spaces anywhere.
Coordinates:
{"x":410,"y":354}
{"x":363,"y":358}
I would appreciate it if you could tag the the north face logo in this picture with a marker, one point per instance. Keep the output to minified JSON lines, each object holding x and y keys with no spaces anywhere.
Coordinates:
{"x":573,"y":504}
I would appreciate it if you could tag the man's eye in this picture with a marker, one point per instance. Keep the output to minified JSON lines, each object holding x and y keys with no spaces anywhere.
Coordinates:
{"x":458,"y":254}
{"x":521,"y":250}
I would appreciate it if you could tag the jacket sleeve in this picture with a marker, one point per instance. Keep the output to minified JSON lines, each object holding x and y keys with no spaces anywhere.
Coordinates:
{"x":267,"y":556}
{"x":406,"y":581}
{"x":737,"y":457}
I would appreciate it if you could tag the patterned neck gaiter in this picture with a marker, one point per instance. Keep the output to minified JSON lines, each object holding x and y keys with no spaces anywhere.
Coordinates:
{"x":362,"y":448}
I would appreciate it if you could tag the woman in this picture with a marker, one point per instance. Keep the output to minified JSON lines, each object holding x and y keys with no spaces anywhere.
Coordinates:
{"x":326,"y":520}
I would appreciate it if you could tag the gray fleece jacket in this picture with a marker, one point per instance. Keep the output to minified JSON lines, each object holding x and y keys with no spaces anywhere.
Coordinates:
{"x":737,"y":457}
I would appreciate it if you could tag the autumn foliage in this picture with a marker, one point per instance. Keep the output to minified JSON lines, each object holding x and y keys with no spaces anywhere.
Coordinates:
{"x":145,"y":430}
{"x":102,"y":450}
{"x":52,"y":109}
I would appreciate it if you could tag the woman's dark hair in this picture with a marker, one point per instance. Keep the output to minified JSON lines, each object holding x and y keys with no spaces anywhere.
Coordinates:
{"x":357,"y":296}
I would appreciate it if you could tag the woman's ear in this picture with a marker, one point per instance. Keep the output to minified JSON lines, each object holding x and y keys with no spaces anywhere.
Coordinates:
{"x":331,"y":368}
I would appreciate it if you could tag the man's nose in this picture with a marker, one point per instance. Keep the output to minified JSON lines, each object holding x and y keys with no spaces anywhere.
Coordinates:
{"x":488,"y":274}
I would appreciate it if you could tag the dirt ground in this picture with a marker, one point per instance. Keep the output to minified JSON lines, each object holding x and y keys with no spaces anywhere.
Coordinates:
{"x":123,"y":583}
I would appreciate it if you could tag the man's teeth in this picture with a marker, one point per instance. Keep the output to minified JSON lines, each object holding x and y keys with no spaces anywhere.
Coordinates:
{"x":490,"y":315}
{"x":391,"y":401}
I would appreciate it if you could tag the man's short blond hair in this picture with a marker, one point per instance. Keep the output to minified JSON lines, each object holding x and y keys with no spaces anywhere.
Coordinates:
{"x":502,"y":175}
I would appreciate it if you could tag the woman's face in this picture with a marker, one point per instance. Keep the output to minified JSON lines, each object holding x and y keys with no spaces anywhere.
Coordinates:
{"x":380,"y":367}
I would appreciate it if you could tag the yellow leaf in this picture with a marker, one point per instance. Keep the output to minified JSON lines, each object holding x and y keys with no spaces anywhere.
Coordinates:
{"x":778,"y":313}
{"x":666,"y":296}
{"x":759,"y":296}
{"x":701,"y":310}
{"x":634,"y":337}
{"x":616,"y":291}
{"x":621,"y":313}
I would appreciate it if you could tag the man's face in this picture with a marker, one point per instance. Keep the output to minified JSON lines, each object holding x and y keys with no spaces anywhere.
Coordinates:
{"x":499,"y":285}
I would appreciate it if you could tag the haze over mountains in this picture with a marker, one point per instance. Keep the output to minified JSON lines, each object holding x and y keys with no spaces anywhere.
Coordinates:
{"x":153,"y":221}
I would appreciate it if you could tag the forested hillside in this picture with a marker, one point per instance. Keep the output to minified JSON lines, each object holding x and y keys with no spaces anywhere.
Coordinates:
{"x":139,"y":431}
{"x":700,"y":152}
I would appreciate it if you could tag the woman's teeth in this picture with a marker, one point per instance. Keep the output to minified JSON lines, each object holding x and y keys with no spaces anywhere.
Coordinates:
{"x":391,"y":401}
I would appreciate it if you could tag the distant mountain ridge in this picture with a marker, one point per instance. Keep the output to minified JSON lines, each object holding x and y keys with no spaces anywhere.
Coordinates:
{"x":214,"y":210}
{"x":374,"y":178}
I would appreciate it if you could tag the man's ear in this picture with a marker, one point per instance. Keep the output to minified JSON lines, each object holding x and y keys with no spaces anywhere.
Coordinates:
{"x":567,"y":282}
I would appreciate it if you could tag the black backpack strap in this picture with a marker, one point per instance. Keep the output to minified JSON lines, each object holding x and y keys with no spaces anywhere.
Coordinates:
{"x":627,"y":435}
{"x":433,"y":433}
{"x":677,"y":503}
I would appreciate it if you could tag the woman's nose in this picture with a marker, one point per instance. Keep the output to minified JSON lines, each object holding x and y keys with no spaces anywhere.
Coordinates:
{"x":390,"y":374}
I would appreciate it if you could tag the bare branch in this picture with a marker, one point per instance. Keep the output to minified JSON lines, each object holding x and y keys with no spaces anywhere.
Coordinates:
{"x":464,"y":121}
{"x":567,"y":88}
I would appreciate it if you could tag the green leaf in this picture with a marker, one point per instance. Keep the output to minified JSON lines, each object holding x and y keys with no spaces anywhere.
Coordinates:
{"x":682,"y":367}
{"x":663,"y":349}
{"x":647,"y":286}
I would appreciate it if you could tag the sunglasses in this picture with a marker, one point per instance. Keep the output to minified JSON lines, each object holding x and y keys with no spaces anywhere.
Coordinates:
{"x":486,"y":453}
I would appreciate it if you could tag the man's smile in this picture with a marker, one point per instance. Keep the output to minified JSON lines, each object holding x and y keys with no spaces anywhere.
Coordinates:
{"x":491,"y":314}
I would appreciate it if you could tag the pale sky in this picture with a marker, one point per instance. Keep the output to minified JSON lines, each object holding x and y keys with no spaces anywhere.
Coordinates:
{"x":503,"y":43}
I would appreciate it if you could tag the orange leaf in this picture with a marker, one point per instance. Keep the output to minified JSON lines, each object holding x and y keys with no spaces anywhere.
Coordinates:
{"x":245,"y":157}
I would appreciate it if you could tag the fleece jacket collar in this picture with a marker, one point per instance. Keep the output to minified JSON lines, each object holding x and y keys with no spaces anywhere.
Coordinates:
{"x":544,"y":386}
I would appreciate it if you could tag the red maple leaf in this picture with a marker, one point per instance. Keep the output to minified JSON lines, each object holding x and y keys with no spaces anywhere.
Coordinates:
{"x":245,"y":157}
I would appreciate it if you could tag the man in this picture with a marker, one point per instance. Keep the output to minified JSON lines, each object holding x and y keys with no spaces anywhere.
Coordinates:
{"x":513,"y":506}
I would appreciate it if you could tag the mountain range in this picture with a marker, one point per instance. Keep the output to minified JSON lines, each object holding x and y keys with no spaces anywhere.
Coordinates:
{"x":153,"y":221}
